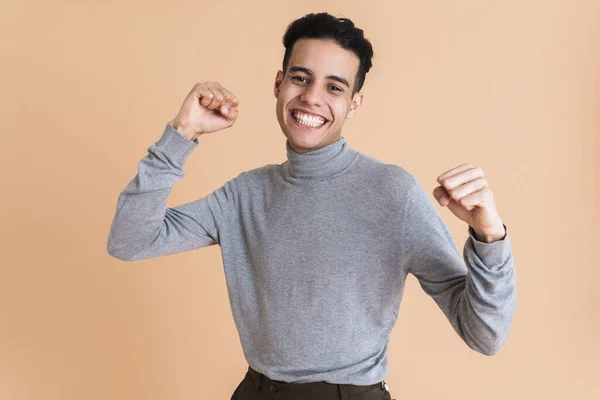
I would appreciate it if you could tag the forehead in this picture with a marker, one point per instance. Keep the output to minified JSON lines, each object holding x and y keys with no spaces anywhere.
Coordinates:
{"x":324,"y":57}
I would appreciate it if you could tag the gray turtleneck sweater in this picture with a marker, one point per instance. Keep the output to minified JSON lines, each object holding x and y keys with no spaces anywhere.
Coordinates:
{"x":316,"y":251}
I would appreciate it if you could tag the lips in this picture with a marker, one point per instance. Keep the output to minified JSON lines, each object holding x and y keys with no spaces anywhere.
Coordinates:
{"x":304,"y":125}
{"x":308,"y":113}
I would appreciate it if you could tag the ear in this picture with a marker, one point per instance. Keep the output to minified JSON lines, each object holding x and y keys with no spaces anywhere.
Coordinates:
{"x":356,"y":102}
{"x":278,"y":80}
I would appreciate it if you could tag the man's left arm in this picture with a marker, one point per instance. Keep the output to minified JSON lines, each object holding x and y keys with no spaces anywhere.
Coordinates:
{"x":478,"y":296}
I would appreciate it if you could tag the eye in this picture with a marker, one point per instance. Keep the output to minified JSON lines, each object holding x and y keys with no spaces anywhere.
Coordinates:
{"x":297,"y":77}
{"x":336,"y":88}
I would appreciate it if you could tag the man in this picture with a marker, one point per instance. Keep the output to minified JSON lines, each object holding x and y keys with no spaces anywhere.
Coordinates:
{"x":316,"y":250}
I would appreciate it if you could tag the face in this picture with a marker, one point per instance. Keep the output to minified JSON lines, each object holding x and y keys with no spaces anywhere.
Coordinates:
{"x":314,"y":97}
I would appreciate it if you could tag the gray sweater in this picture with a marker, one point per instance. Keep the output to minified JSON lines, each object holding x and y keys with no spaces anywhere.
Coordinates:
{"x":316,"y":251}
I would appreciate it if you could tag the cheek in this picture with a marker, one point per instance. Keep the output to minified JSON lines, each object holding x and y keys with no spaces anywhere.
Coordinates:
{"x":285,"y":95}
{"x":280,"y":107}
{"x":340,"y":110}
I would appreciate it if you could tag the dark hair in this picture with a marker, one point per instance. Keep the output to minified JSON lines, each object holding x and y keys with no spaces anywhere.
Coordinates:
{"x":341,"y":30}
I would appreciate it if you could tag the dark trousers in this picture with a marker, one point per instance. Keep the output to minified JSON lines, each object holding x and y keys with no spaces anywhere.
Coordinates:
{"x":256,"y":386}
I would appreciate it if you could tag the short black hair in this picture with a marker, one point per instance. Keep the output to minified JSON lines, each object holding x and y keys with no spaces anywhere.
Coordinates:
{"x":341,"y":30}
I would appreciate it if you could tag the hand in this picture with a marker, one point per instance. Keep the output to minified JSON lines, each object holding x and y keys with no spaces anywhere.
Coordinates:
{"x":465,"y":191}
{"x":209,"y":107}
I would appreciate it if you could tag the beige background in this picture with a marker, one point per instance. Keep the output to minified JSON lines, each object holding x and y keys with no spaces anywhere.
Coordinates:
{"x":512,"y":87}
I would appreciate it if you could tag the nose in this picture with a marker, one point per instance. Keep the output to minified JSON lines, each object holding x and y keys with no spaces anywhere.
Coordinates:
{"x":312,"y":95}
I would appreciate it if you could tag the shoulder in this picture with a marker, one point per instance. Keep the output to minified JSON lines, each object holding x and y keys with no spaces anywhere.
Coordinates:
{"x":250,"y":178}
{"x":259,"y":173}
{"x":387,"y":174}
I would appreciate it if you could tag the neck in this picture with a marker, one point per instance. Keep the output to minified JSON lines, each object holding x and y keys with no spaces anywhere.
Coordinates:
{"x":320,"y":163}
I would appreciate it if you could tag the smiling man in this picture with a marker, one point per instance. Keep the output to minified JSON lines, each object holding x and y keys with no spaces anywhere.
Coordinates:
{"x":318,"y":92}
{"x":316,"y":250}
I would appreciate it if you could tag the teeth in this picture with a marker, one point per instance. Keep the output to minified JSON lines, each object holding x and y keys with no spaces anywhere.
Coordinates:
{"x":307,"y":120}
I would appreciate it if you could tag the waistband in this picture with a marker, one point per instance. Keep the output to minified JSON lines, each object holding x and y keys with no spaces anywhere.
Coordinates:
{"x":284,"y":388}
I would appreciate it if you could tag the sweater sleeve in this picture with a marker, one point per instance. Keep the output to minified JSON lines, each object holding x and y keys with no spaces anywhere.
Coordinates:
{"x":143,"y":227}
{"x":478,"y":296}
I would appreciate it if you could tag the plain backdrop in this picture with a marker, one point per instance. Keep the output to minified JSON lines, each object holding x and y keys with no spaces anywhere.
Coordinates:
{"x":86,"y":87}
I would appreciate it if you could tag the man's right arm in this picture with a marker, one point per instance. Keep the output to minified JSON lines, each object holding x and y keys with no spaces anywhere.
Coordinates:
{"x":143,"y":227}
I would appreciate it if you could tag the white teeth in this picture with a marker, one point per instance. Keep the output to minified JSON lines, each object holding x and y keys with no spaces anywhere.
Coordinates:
{"x":307,"y":120}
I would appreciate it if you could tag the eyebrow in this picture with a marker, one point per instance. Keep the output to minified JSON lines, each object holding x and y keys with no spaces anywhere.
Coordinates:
{"x":296,"y":68}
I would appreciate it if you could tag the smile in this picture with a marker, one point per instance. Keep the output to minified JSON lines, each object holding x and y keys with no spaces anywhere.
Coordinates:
{"x":307,"y":120}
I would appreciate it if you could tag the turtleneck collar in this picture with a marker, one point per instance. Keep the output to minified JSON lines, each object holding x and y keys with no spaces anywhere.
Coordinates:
{"x":320,"y":163}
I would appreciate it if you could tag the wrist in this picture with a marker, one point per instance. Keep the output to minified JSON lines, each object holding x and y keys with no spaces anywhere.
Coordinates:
{"x":185,"y":131}
{"x":490,"y":236}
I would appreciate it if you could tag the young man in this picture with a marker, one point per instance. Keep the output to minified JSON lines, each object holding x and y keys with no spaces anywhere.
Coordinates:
{"x":316,"y":250}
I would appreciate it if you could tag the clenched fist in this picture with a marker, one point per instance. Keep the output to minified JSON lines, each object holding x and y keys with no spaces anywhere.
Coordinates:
{"x":209,"y":107}
{"x":465,"y":191}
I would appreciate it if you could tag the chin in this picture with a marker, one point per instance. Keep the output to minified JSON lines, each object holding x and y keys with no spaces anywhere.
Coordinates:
{"x":304,"y":143}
